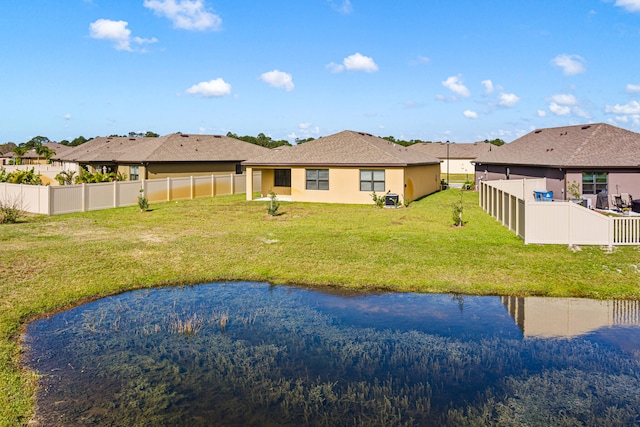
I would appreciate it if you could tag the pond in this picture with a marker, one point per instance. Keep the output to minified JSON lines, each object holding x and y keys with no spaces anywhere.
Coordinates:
{"x":253,"y":354}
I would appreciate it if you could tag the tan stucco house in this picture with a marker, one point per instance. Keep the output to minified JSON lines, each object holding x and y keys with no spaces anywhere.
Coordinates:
{"x":346,"y":167}
{"x":595,"y":156}
{"x":173,"y":155}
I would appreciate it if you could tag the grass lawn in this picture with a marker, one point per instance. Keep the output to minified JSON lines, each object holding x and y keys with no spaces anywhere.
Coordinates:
{"x":49,"y":263}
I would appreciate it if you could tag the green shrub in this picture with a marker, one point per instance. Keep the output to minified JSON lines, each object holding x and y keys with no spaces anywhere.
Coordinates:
{"x":274,"y":204}
{"x":143,"y":202}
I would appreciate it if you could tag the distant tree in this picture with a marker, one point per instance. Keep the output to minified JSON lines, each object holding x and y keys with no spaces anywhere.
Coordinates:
{"x":36,"y":141}
{"x":261,"y":139}
{"x":44,"y":151}
{"x":150,"y":134}
{"x":78,"y":141}
{"x":403,"y":142}
{"x":8,"y":147}
{"x":496,"y":141}
{"x":21,"y":149}
{"x":302,"y":141}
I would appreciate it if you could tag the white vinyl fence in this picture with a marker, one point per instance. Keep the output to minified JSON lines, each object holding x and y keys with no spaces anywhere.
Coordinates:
{"x":558,"y":222}
{"x":52,"y":200}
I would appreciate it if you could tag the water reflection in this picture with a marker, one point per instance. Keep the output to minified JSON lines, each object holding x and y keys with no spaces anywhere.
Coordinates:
{"x":253,"y":354}
{"x":569,"y":317}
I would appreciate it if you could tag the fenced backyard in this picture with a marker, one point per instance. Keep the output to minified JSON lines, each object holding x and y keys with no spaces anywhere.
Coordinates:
{"x":53,"y":200}
{"x":512,"y":203}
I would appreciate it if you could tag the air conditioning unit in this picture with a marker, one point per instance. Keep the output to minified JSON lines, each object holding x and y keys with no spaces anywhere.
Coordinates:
{"x":391,"y":200}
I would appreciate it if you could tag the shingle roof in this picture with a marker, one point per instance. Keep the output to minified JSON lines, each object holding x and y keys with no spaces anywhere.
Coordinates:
{"x":346,"y":148}
{"x":456,"y":151}
{"x":169,"y":148}
{"x":596,"y":145}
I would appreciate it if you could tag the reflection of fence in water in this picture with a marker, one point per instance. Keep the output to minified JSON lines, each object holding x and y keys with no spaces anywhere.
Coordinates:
{"x":569,"y":317}
{"x":626,"y":312}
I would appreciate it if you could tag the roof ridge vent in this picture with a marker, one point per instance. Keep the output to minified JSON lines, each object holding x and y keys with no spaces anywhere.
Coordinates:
{"x":586,"y":127}
{"x":184,"y":135}
{"x":538,"y":131}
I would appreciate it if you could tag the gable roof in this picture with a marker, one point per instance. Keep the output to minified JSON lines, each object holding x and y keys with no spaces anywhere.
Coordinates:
{"x":596,"y":145}
{"x":168,"y":148}
{"x":456,"y":151}
{"x":346,"y":148}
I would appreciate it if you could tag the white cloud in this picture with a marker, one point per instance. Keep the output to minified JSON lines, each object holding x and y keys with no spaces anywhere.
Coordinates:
{"x":542,"y":113}
{"x":421,"y":60}
{"x":629,"y":5}
{"x":212,"y":89}
{"x":559,"y":110}
{"x":508,"y":99}
{"x":278,"y":79}
{"x":454,"y":83}
{"x":117,"y":32}
{"x":570,"y":64}
{"x":342,"y":7}
{"x":67,"y":116}
{"x":632,"y":107}
{"x":358,"y":62}
{"x":633,"y":88}
{"x":355,"y":62}
{"x":186,"y":14}
{"x":470,"y":114}
{"x":488,"y":86}
{"x":564,"y":99}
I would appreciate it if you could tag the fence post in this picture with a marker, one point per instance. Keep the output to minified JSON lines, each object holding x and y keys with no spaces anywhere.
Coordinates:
{"x":115,"y":194}
{"x":233,"y":182}
{"x":49,"y":201}
{"x":611,"y":233}
{"x":213,"y":185}
{"x":192,"y":188}
{"x":168,"y":189}
{"x":84,"y":197}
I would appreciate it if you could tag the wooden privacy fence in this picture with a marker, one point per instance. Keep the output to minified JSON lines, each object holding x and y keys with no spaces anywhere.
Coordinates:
{"x":558,"y":222}
{"x":52,"y":200}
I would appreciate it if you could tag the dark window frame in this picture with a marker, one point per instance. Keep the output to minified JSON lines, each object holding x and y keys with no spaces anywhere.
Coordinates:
{"x":134,"y":176}
{"x":595,"y":182}
{"x":315,"y":179}
{"x":368,"y":181}
{"x":282,"y":177}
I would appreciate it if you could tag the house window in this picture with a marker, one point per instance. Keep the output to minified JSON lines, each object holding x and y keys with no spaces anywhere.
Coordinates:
{"x":372,"y":180}
{"x":594,"y":182}
{"x":134,"y":173}
{"x":317,"y":179}
{"x":282,"y":178}
{"x":238,"y":169}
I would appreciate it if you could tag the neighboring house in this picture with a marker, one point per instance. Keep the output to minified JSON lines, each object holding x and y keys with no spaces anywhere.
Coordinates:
{"x":7,"y":158}
{"x":172,"y":155}
{"x":346,"y":167}
{"x":31,"y":157}
{"x":455,"y":158}
{"x":596,"y":157}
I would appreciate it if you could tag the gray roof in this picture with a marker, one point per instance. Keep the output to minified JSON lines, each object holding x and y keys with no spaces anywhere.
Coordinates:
{"x":594,"y":146}
{"x":346,"y":148}
{"x":168,"y":148}
{"x":456,"y":151}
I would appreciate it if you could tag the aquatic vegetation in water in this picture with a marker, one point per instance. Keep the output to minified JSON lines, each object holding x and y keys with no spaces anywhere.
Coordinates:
{"x":261,"y":355}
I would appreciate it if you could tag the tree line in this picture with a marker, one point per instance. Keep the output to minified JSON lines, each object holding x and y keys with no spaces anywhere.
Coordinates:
{"x":38,"y":142}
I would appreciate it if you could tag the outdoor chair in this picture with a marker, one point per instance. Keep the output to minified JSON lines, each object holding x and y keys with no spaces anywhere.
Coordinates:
{"x":615,"y":201}
{"x":625,"y":199}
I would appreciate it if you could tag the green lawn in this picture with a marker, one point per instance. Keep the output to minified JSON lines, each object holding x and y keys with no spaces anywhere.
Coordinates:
{"x":50,"y":263}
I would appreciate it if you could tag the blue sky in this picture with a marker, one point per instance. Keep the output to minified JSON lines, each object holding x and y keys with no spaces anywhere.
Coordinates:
{"x":462,"y":71}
